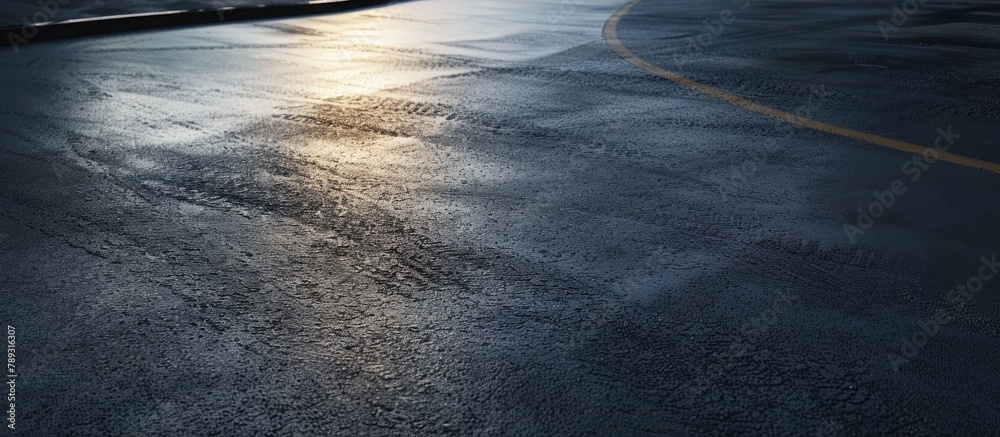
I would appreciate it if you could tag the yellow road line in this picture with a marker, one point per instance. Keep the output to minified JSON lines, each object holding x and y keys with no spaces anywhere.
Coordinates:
{"x":611,"y":38}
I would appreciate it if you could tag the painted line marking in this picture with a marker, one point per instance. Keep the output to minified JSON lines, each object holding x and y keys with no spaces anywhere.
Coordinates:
{"x":610,"y":34}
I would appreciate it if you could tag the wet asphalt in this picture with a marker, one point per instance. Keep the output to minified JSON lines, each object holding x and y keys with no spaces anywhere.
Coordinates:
{"x":474,"y":218}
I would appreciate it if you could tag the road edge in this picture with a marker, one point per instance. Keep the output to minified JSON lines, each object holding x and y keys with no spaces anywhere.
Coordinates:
{"x":20,"y":35}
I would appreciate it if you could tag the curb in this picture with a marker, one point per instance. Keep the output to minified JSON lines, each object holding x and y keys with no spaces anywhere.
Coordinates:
{"x":159,"y":20}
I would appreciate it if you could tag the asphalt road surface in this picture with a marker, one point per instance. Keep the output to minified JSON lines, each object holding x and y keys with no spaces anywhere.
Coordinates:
{"x":476,"y":218}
